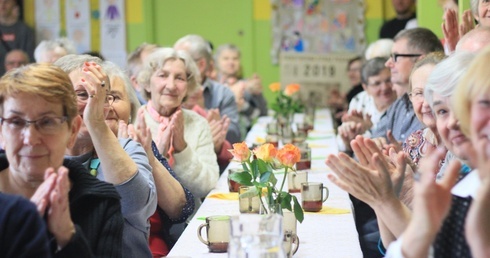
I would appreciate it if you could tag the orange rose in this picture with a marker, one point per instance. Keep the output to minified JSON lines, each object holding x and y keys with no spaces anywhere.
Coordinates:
{"x":275,"y":86}
{"x":240,"y":152}
{"x":288,"y":155}
{"x":265,"y":152}
{"x":291,"y":89}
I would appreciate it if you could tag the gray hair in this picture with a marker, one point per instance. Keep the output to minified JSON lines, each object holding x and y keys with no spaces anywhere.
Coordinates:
{"x":220,"y":50}
{"x":446,"y":75}
{"x":372,"y":67}
{"x":420,"y":39}
{"x":157,"y":60}
{"x":134,"y":61}
{"x":50,"y":45}
{"x":379,"y":48}
{"x":224,"y":47}
{"x":70,"y":63}
{"x":113,"y":71}
{"x":197,"y":46}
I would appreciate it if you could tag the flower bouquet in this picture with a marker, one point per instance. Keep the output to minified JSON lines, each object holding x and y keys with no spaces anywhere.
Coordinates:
{"x":258,"y":172}
{"x":287,"y":103}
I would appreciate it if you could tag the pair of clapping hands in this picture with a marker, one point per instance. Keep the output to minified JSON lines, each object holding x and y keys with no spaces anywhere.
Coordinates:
{"x":353,"y":124}
{"x":452,"y":30}
{"x":52,"y":202}
{"x":219,"y":127}
{"x":376,"y":177}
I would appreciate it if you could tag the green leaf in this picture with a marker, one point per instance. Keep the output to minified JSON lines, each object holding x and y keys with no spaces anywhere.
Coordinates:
{"x":298,"y":211}
{"x":286,"y":200}
{"x":262,"y":166}
{"x":273,"y":179}
{"x":264,"y":178}
{"x":244,"y":165}
{"x":243,"y":178}
{"x":254,"y":169}
{"x":259,"y":185}
{"x":251,"y":192}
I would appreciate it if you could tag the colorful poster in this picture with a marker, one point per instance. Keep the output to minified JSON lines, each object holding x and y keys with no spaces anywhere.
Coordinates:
{"x":47,"y":19}
{"x":77,"y":13}
{"x":113,"y":31}
{"x":317,"y":26}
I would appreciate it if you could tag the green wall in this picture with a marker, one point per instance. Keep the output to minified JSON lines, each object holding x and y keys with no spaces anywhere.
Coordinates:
{"x":246,"y":23}
{"x":429,"y":15}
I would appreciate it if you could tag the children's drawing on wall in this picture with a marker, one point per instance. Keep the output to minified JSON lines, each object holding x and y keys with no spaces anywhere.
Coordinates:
{"x":112,"y":12}
{"x":78,"y":23}
{"x":113,"y":31}
{"x":293,"y":42}
{"x":317,"y":26}
{"x":47,"y":16}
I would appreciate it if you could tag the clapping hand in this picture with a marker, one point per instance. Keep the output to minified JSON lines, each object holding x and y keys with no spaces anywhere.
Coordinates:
{"x":51,"y":199}
{"x":177,"y":128}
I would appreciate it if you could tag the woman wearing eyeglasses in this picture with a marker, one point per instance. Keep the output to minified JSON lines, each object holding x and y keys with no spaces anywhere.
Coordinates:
{"x":39,"y":120}
{"x":425,"y":140}
{"x":121,"y":162}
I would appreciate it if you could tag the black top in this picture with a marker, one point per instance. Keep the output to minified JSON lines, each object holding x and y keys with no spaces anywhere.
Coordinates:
{"x":22,"y":231}
{"x":353,"y":92}
{"x":95,"y":210}
{"x":451,"y":241}
{"x":392,"y":27}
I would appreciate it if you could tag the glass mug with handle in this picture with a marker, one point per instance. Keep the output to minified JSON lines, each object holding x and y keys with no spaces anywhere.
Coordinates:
{"x":218,"y":233}
{"x":295,"y":179}
{"x":312,"y":196}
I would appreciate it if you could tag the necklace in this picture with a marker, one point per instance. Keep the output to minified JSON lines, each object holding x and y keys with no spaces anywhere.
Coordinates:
{"x":94,"y":165}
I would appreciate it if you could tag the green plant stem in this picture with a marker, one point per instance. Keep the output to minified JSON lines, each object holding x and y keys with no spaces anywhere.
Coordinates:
{"x":262,"y":202}
{"x":283,"y":179}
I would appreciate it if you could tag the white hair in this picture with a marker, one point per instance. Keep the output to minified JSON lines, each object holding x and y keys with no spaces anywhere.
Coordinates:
{"x":379,"y":48}
{"x":50,"y":45}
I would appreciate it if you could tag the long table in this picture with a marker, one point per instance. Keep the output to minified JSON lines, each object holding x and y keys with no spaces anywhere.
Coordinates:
{"x":321,"y":235}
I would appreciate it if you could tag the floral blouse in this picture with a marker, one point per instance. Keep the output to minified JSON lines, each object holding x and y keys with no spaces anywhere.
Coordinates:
{"x":420,"y":143}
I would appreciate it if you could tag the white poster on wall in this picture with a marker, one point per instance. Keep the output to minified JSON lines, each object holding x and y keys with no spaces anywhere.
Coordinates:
{"x":113,"y":31}
{"x":47,"y":19}
{"x":317,"y":74}
{"x":77,"y":13}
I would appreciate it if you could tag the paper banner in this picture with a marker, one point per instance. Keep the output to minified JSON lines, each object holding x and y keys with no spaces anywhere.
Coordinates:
{"x":113,"y":31}
{"x":47,"y":19}
{"x":77,"y":13}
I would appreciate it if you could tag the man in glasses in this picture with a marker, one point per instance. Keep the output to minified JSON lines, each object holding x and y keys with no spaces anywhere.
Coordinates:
{"x":409,"y":47}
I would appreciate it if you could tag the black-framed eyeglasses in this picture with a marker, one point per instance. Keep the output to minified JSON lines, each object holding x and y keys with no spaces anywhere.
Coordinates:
{"x":47,"y":125}
{"x":395,"y":56}
{"x":82,"y":96}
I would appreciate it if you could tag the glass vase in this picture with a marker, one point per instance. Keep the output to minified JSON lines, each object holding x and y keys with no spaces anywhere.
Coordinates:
{"x":254,"y":235}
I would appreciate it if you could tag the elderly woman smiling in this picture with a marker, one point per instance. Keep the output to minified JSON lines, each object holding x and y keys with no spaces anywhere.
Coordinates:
{"x":182,"y":135}
{"x":39,"y":121}
{"x":122,"y":162}
{"x":175,"y":203}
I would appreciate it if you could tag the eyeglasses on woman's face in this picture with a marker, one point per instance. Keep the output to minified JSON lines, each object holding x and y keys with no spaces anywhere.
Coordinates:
{"x":83,"y":96}
{"x":47,"y":125}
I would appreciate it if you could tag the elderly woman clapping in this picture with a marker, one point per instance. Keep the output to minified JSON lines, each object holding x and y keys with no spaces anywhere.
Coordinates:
{"x":39,"y":120}
{"x":175,"y":203}
{"x":121,"y":162}
{"x":181,"y":135}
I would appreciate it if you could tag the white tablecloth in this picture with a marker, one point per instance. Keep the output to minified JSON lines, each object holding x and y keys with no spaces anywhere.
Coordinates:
{"x":321,"y":235}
